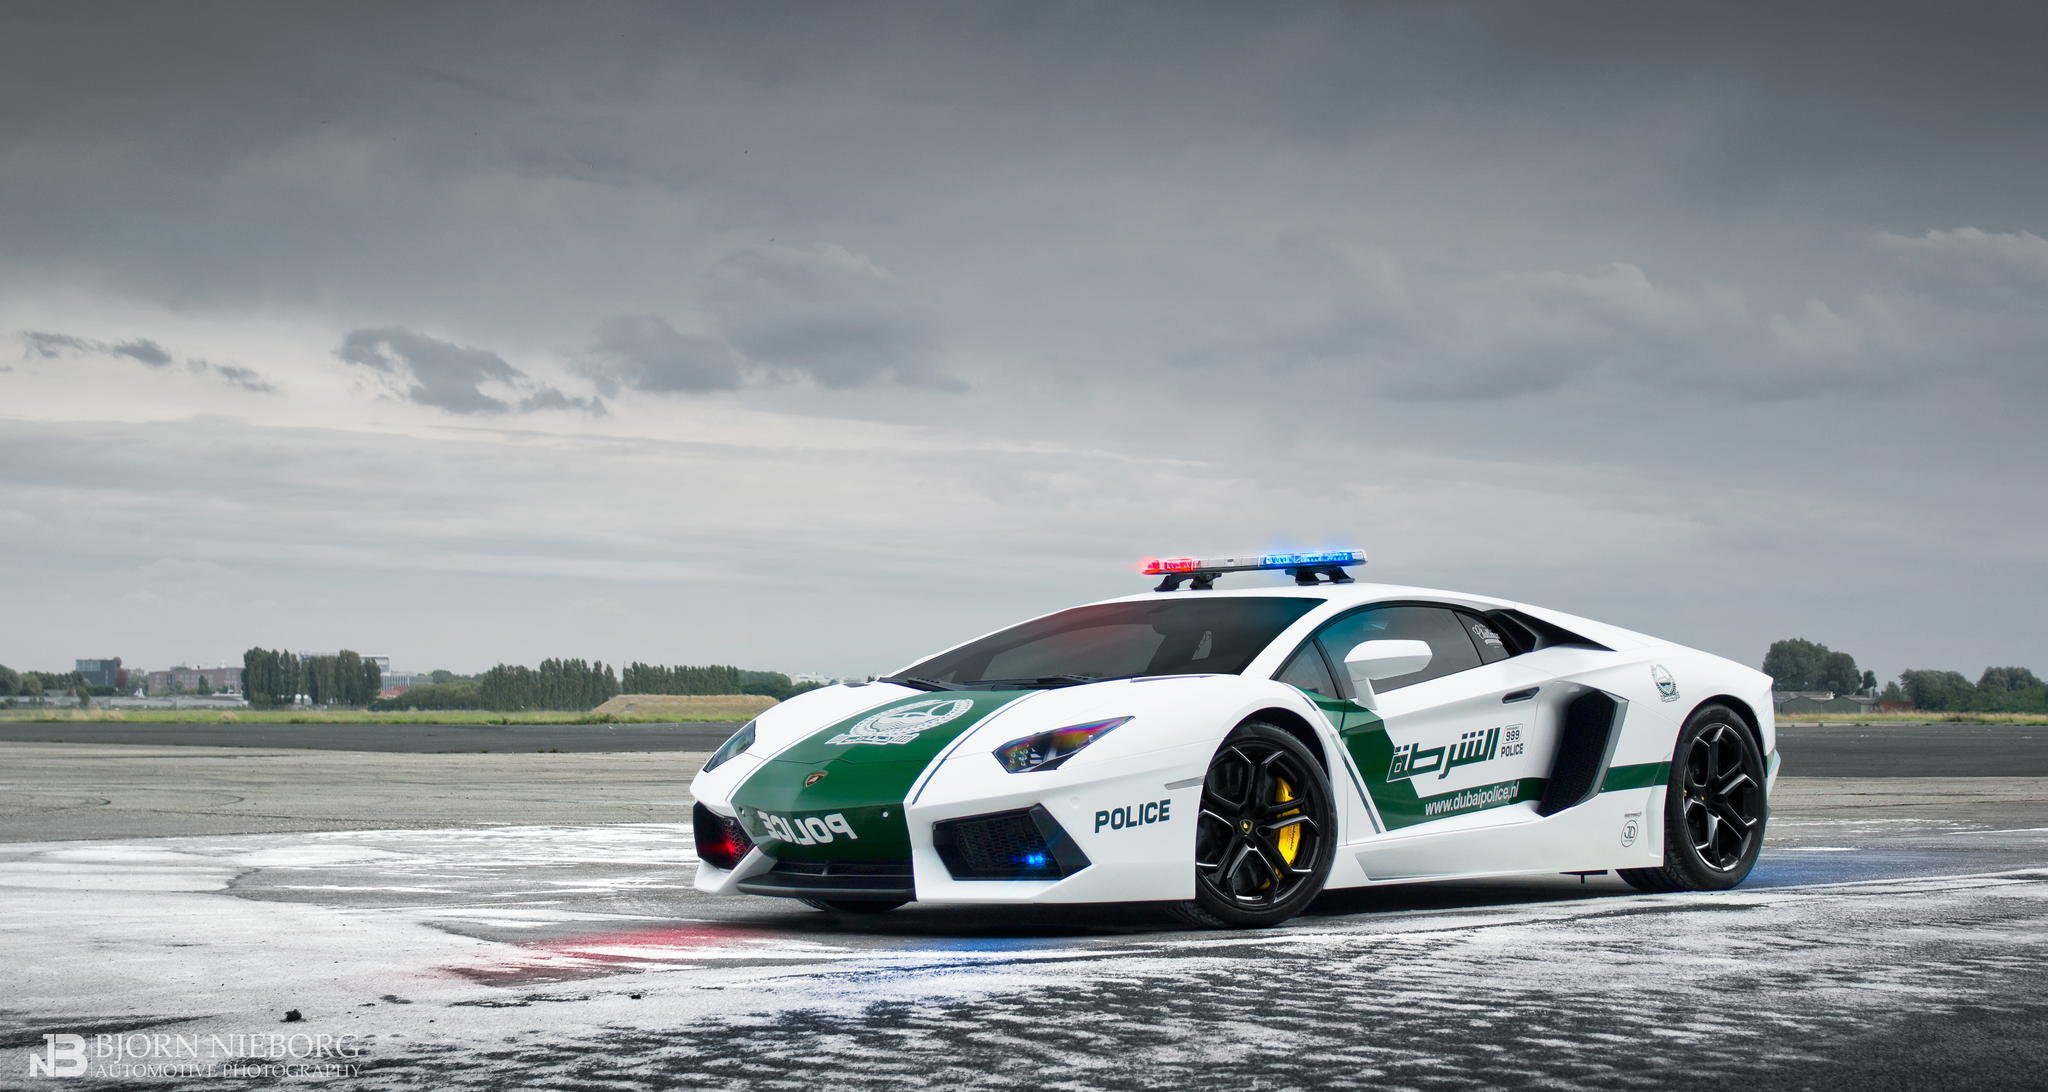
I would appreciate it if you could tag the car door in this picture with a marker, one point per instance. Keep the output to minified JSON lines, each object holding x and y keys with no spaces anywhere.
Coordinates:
{"x":1454,"y":738}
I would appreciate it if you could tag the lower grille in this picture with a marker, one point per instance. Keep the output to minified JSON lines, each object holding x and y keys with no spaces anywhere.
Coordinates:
{"x":1009,"y":845}
{"x":850,"y":880}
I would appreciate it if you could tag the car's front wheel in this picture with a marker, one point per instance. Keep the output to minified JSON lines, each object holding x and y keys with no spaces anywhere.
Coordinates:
{"x":1714,"y":807}
{"x":1266,"y":832}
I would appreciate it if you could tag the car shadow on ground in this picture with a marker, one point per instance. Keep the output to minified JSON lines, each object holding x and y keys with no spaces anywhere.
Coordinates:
{"x":1125,"y":919}
{"x":779,"y":932}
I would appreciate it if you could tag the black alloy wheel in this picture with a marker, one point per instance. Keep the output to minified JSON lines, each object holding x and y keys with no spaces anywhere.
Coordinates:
{"x":1715,"y":809}
{"x":1266,"y":832}
{"x":1723,"y":802}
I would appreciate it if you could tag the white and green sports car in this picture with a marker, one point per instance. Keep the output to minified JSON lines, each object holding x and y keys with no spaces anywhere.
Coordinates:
{"x":1235,"y":752}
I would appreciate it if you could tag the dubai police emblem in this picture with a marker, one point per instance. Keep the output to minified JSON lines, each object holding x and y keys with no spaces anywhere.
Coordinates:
{"x":905,"y":722}
{"x":1667,"y":687}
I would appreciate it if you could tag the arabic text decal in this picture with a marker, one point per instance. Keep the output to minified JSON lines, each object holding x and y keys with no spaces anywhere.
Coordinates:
{"x":1410,"y":760}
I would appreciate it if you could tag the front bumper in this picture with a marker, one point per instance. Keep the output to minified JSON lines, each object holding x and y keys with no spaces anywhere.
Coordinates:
{"x":1120,"y":831}
{"x":850,"y":881}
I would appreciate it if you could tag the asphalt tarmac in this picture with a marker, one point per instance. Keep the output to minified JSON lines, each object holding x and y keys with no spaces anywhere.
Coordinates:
{"x":517,"y":920}
{"x":1892,"y":750}
{"x":387,"y":738}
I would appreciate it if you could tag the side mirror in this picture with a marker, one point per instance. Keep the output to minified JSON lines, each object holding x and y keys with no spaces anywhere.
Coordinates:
{"x":1375,"y":660}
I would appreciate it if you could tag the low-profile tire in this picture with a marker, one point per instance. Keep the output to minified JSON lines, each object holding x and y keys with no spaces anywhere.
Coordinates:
{"x":1715,"y":808}
{"x":1266,"y":832}
{"x":854,"y":906}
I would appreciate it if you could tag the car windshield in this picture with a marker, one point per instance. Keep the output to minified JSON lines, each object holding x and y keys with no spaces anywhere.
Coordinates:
{"x":1181,"y":636}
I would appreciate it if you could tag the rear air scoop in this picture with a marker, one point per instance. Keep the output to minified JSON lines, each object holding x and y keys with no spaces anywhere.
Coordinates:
{"x":838,"y":794}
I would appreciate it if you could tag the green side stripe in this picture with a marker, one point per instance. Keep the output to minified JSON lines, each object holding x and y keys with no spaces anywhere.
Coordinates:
{"x":869,"y":761}
{"x":1399,"y":805}
{"x":1645,"y":775}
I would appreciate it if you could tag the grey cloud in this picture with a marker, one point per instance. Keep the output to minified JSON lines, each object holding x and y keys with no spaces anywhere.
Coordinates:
{"x":144,"y":350}
{"x":1965,"y":306}
{"x":1280,"y":245}
{"x":826,"y":314}
{"x":53,"y":346}
{"x":245,"y":378}
{"x":447,"y":376}
{"x":549,"y":398}
{"x":1972,"y":268}
{"x":49,"y":346}
{"x":644,"y":352}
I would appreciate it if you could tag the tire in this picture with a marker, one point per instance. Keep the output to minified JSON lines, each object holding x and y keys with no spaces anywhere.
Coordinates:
{"x":854,"y":906}
{"x":1715,"y":809}
{"x":1266,"y":832}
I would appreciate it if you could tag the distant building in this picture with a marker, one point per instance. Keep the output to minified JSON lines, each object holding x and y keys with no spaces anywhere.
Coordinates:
{"x":383,"y":662}
{"x":101,"y":672}
{"x":188,"y":680}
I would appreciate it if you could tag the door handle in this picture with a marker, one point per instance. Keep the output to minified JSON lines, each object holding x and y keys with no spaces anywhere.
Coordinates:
{"x":1519,"y":695}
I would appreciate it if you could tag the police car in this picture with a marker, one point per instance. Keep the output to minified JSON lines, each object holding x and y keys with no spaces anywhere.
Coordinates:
{"x":1234,"y":752}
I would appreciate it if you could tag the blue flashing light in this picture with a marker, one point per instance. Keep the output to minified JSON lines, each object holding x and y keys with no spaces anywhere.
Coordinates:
{"x":1286,"y":559}
{"x":1311,"y":557}
{"x":1032,"y":860}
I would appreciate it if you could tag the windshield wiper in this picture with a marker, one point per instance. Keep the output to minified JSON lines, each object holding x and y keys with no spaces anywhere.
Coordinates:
{"x":919,"y":682}
{"x":1043,"y":682}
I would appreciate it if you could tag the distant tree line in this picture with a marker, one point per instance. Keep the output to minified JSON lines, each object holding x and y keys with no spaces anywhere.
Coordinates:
{"x":274,"y":677}
{"x":1997,"y":690}
{"x":1800,"y":664}
{"x":37,"y":685}
{"x":640,"y":678}
{"x":556,"y":684}
{"x":572,"y":685}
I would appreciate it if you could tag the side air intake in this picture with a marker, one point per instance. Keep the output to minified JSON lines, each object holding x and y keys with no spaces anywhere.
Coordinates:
{"x":1585,"y":745}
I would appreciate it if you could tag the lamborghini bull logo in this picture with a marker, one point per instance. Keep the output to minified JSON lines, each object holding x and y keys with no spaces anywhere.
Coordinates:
{"x":905,"y":722}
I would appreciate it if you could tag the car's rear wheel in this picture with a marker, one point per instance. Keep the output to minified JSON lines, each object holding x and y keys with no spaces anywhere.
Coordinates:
{"x":854,"y":906}
{"x":1266,"y":832}
{"x":1714,"y":810}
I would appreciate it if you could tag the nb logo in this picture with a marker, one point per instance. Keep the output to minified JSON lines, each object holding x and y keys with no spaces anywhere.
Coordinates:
{"x":62,"y":1056}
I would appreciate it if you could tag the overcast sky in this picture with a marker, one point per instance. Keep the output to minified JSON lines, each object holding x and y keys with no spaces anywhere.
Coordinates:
{"x":815,"y":337}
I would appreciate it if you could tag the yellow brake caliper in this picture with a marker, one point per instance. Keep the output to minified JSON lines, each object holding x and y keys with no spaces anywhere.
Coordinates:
{"x":1289,"y":838}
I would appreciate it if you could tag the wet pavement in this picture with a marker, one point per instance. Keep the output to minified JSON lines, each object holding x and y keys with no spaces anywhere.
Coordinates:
{"x":1891,"y":936}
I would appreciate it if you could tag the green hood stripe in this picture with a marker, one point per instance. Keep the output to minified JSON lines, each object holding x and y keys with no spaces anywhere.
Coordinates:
{"x":860,"y":770}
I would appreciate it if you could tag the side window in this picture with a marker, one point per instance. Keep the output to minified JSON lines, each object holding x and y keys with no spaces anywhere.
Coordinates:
{"x":1308,"y":671}
{"x":1488,"y":640}
{"x":1451,"y":648}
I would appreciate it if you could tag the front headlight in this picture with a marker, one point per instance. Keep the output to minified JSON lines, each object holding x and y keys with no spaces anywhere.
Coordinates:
{"x":1046,"y":750}
{"x":739,"y":741}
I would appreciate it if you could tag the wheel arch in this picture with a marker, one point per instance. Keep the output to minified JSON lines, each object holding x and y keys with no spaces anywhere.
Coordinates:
{"x":1743,"y":711}
{"x":1296,"y":725}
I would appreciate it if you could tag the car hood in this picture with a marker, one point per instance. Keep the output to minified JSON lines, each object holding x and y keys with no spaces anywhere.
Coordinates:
{"x":857,"y":766}
{"x":854,"y":774}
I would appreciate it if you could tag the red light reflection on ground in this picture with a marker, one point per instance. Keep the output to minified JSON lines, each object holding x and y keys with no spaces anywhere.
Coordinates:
{"x":596,"y":955}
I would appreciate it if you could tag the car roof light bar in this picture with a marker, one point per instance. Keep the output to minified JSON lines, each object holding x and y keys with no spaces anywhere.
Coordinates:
{"x":1307,"y":567}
